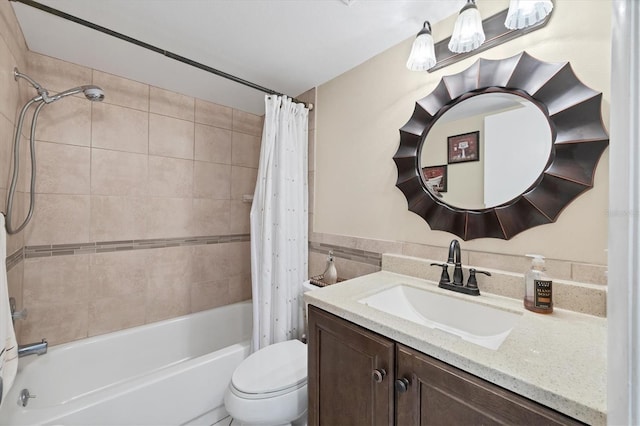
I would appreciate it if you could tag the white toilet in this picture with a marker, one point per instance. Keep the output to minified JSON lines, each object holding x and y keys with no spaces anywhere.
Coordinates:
{"x":270,"y":386}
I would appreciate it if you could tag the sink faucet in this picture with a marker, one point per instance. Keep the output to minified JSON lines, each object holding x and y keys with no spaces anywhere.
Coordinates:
{"x":455,"y":258}
{"x":457,"y":285}
{"x":39,"y":348}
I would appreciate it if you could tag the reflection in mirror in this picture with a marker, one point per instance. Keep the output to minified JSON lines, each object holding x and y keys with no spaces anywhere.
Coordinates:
{"x":513,"y":149}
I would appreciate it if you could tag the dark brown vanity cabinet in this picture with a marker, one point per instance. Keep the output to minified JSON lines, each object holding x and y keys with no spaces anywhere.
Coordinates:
{"x":357,"y":377}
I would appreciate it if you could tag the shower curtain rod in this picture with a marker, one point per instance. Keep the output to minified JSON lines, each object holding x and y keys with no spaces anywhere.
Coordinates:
{"x":153,"y":48}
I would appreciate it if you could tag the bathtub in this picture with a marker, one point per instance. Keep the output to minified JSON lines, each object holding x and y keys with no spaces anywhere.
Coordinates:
{"x":172,"y":372}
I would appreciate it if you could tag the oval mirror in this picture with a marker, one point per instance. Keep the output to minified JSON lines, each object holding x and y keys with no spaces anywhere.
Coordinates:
{"x":537,"y":193}
{"x":486,"y":150}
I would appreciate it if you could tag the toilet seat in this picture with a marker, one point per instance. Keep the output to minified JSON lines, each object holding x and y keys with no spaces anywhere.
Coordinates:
{"x":271,"y":371}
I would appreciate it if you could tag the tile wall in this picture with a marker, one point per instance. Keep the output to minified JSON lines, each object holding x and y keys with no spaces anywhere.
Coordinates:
{"x":139,"y":214}
{"x":13,"y":53}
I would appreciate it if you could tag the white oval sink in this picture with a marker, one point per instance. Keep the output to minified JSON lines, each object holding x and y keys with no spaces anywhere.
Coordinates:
{"x":480,"y":324}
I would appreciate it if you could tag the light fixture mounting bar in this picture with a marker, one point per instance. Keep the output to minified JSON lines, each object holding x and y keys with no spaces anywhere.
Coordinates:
{"x":496,"y":34}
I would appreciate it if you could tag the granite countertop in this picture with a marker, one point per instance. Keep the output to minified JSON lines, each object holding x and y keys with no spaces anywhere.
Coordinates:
{"x":557,"y":360}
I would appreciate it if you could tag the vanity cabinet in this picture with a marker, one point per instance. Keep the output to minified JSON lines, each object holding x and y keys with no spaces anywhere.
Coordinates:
{"x":346,"y":385}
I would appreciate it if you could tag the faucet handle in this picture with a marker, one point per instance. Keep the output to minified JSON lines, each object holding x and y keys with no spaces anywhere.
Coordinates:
{"x":444,"y":277}
{"x":473,"y":282}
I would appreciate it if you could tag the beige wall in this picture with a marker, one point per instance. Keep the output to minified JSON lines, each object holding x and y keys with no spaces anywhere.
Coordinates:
{"x":359,"y":114}
{"x":139,"y":214}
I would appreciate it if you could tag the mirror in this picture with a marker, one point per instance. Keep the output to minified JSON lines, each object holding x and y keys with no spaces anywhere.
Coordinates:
{"x":507,"y":148}
{"x":562,"y":171}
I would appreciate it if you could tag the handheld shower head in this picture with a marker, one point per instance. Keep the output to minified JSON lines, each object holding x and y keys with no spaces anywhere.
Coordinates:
{"x":93,"y":93}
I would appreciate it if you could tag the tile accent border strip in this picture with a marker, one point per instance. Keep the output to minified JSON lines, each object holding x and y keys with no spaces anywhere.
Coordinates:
{"x":30,"y":252}
{"x":356,"y":255}
{"x":15,"y":258}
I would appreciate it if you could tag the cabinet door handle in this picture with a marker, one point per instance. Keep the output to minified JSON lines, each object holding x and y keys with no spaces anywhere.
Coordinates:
{"x":402,"y":385}
{"x":378,"y":375}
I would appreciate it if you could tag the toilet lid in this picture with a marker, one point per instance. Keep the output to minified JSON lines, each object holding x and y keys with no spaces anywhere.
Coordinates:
{"x":272,"y":369}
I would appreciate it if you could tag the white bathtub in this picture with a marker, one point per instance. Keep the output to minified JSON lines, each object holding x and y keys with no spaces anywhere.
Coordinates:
{"x":172,"y":372}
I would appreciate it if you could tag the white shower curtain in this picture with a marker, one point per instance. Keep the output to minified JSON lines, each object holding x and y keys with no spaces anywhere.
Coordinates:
{"x":279,"y":224}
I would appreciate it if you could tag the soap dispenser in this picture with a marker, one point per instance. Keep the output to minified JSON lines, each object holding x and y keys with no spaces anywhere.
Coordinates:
{"x":330,"y":275}
{"x":538,"y":295}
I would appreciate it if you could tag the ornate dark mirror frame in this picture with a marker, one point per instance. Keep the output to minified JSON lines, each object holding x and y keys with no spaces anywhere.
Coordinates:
{"x":578,"y":140}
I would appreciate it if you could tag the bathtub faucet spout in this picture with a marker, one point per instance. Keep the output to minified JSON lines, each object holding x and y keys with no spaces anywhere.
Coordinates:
{"x":39,"y":348}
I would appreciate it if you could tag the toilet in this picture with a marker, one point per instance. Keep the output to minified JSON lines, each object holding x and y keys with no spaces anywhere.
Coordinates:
{"x":270,"y":386}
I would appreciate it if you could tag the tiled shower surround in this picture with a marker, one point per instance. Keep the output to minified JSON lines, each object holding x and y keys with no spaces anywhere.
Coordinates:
{"x":139,"y":214}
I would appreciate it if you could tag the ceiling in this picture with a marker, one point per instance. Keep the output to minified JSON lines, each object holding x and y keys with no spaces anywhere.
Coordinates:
{"x":288,"y":46}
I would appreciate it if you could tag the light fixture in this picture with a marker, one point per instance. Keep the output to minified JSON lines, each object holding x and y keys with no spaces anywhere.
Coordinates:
{"x":468,"y":34}
{"x":423,"y":55}
{"x":524,"y":13}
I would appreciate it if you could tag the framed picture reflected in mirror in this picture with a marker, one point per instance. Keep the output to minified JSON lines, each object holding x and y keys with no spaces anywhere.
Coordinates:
{"x":463,"y":148}
{"x":436,"y":177}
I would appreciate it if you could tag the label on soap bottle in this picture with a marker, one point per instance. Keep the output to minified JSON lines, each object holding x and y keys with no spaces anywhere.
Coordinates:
{"x":542,"y":290}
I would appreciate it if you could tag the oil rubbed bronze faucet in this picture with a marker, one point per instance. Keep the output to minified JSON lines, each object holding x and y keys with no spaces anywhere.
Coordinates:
{"x":457,"y":285}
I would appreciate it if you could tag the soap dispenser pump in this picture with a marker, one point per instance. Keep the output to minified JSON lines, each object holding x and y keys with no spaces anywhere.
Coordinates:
{"x":538,"y":295}
{"x":330,"y":275}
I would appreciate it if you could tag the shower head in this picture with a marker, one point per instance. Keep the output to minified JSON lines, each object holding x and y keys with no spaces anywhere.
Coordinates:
{"x":93,"y":93}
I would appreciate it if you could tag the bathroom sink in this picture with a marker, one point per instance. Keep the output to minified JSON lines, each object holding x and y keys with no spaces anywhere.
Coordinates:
{"x":480,"y":324}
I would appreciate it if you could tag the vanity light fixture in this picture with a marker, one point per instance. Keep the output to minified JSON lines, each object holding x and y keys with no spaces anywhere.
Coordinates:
{"x":423,"y":54}
{"x":468,"y":34}
{"x":525,"y":13}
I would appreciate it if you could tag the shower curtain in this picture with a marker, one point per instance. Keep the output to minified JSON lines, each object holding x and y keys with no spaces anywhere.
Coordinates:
{"x":279,"y":224}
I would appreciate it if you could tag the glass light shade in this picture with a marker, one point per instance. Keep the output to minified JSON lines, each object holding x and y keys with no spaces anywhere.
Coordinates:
{"x":468,"y":34}
{"x":524,"y":13}
{"x":423,"y":54}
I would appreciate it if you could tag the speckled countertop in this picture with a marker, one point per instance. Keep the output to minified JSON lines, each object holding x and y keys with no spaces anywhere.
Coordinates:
{"x":558,"y":360}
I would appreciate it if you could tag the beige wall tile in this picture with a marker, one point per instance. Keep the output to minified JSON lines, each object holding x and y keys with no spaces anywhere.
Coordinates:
{"x":212,"y":180}
{"x":59,"y":219}
{"x":65,"y":121}
{"x":118,"y":173}
{"x":62,"y":169}
{"x":12,"y":34}
{"x":57,"y":279}
{"x":239,"y":220}
{"x":168,"y":289}
{"x":212,"y":217}
{"x":243,"y":181}
{"x":247,"y":123}
{"x":116,"y":313}
{"x":56,"y":75}
{"x":379,"y":246}
{"x":122,"y":91}
{"x":209,"y":294}
{"x":118,"y":274}
{"x":211,"y":262}
{"x":10,"y":88}
{"x":503,"y":262}
{"x":119,"y":128}
{"x":57,"y":322}
{"x":170,"y":177}
{"x":245,"y":150}
{"x":14,"y":282}
{"x":118,"y":218}
{"x":15,"y":241}
{"x":240,"y":288}
{"x":169,"y":217}
{"x":6,"y":152}
{"x":212,"y":144}
{"x":172,"y":104}
{"x":171,"y":137}
{"x":239,"y":258}
{"x":214,"y":114}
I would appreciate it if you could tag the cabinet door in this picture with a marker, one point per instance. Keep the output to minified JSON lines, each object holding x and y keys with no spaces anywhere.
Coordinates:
{"x":439,"y":394}
{"x":351,"y":373}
